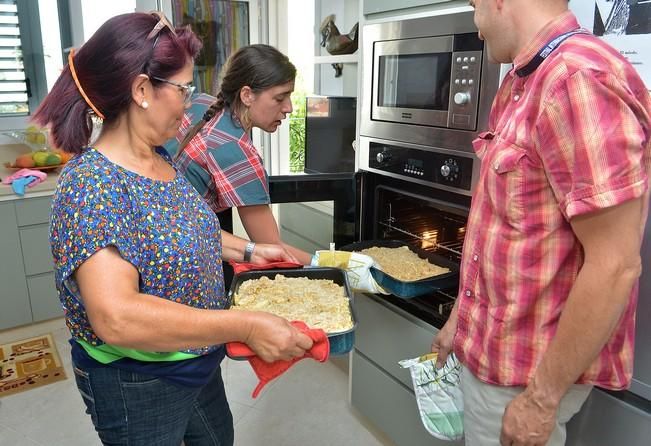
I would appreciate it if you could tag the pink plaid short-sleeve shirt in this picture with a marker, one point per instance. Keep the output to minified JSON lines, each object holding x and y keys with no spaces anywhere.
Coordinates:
{"x":571,"y":138}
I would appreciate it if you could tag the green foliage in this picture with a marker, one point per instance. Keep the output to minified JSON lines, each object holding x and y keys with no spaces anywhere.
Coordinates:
{"x":297,"y":133}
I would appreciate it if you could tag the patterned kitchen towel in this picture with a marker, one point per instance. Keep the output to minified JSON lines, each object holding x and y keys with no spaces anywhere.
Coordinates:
{"x":19,"y":184}
{"x":438,"y":394}
{"x":357,"y":267}
{"x":41,"y":176}
{"x":23,"y":178}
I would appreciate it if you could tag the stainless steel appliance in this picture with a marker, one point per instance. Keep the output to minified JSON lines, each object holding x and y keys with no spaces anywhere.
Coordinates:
{"x":428,"y":81}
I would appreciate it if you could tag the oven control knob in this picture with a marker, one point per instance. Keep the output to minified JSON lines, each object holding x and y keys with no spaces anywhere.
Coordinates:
{"x":462,"y":98}
{"x":450,"y":170}
{"x":383,"y":157}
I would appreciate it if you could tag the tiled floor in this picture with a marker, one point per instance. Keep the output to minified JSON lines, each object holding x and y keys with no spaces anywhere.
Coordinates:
{"x":306,"y":406}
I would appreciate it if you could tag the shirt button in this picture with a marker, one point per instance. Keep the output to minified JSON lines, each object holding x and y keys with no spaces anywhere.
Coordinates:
{"x":468,"y":293}
{"x":496,"y":166}
{"x":475,"y":257}
{"x":516,"y":97}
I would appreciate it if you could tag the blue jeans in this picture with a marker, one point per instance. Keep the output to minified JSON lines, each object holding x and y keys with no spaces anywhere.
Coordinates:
{"x":134,"y":409}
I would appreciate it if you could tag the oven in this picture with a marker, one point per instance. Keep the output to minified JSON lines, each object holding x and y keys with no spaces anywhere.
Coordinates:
{"x":430,"y":220}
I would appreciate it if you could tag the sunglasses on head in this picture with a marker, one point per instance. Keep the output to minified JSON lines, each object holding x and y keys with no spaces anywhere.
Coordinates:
{"x":160,"y":25}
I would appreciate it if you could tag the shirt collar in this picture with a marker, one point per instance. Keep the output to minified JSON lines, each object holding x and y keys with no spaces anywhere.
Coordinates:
{"x":561,"y":24}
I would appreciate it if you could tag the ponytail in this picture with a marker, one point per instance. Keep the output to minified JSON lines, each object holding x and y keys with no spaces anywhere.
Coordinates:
{"x":66,"y":113}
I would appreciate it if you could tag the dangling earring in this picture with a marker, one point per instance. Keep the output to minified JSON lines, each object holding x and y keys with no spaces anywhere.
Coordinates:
{"x":144,"y":104}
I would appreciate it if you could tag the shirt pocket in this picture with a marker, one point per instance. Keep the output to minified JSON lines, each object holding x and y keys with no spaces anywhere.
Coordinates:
{"x":504,"y":181}
{"x":481,"y":143}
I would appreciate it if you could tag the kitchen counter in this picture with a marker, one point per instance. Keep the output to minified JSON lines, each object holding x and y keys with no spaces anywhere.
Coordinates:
{"x":8,"y":153}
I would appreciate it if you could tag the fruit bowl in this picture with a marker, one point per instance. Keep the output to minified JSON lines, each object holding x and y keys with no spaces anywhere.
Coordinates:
{"x":12,"y":167}
{"x":41,"y":160}
{"x":34,"y":138}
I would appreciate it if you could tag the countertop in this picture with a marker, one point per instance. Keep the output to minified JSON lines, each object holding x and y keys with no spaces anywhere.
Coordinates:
{"x":8,"y":153}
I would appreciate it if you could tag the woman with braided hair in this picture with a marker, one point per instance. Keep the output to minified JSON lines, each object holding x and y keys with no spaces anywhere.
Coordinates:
{"x":213,"y":147}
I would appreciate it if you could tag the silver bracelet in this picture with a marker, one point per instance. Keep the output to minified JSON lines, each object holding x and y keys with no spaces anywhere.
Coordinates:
{"x":248,"y":251}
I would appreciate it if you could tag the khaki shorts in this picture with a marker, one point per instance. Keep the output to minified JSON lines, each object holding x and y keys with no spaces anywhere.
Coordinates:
{"x":484,"y":406}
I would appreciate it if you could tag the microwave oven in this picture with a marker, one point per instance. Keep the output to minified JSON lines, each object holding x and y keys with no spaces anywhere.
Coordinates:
{"x":428,"y":81}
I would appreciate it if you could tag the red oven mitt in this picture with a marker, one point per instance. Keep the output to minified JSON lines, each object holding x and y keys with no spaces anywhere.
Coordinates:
{"x":266,"y":371}
{"x":240,"y":267}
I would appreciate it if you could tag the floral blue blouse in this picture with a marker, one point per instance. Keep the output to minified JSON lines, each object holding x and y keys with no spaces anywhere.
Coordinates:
{"x":164,"y":229}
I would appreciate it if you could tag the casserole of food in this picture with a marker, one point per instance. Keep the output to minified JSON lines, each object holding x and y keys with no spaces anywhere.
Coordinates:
{"x":320,"y":297}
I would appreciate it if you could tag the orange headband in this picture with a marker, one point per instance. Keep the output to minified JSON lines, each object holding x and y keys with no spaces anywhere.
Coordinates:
{"x":81,"y":90}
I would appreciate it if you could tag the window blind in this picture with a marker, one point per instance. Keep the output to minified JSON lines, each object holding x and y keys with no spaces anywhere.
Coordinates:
{"x":14,"y":84}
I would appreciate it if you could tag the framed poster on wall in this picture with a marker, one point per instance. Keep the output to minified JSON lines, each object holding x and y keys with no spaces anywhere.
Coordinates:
{"x":624,"y":24}
{"x":222,"y":26}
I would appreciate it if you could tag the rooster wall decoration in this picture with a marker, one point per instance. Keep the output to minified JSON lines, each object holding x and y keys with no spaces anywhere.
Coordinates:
{"x":336,"y":43}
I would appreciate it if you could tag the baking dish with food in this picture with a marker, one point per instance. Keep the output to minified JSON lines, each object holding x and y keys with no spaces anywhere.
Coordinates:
{"x":340,"y":342}
{"x":405,"y":289}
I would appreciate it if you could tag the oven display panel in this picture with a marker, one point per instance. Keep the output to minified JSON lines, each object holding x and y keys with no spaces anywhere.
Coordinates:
{"x":440,"y":168}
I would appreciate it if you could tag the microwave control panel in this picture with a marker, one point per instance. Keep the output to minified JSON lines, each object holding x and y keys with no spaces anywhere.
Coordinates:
{"x":432,"y":167}
{"x":464,"y":89}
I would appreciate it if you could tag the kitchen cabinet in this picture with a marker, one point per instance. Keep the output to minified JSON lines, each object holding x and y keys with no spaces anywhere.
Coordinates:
{"x":380,"y":389}
{"x":14,"y":303}
{"x":26,"y":266}
{"x":376,"y":6}
{"x":307,"y":226}
{"x":43,"y":297}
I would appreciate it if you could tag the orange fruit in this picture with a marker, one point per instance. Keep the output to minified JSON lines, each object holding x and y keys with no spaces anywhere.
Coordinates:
{"x":65,"y":156}
{"x":25,"y":161}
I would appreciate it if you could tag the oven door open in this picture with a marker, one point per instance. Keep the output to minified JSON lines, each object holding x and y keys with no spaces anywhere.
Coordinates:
{"x":426,"y":218}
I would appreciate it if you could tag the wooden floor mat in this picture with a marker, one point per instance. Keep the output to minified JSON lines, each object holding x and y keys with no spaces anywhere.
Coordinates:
{"x":28,"y":364}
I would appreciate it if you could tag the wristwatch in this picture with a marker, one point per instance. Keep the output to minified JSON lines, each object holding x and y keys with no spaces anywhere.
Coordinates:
{"x":248,"y":251}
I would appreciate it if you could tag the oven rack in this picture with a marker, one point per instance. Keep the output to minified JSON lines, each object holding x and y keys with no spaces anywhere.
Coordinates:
{"x":452,"y":246}
{"x":446,"y":308}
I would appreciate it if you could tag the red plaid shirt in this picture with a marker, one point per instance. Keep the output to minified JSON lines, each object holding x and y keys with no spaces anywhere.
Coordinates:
{"x":571,"y":138}
{"x":220,"y":161}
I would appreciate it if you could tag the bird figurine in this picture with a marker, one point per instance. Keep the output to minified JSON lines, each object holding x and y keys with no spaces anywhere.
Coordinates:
{"x":334,"y":42}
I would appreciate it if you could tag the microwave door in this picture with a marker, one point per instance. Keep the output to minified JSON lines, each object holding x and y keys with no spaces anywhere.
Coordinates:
{"x":316,"y":209}
{"x":411,"y":80}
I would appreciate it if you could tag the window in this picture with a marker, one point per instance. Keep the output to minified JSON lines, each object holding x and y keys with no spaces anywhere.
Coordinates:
{"x":14,"y":86}
{"x":30,"y":56}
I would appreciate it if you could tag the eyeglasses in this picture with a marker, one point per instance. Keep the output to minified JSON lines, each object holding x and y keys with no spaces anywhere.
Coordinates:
{"x":188,"y":90}
{"x":160,"y":25}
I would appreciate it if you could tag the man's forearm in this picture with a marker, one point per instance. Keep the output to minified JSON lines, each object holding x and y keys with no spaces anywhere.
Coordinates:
{"x":594,"y":307}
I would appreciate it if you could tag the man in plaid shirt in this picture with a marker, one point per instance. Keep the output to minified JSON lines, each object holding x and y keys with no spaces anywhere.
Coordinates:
{"x":549,"y":275}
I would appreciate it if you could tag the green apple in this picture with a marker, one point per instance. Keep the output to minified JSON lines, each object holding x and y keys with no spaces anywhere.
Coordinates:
{"x":40,"y":158}
{"x":53,"y":159}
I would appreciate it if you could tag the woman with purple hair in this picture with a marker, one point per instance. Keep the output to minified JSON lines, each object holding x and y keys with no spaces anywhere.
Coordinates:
{"x":138,"y":253}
